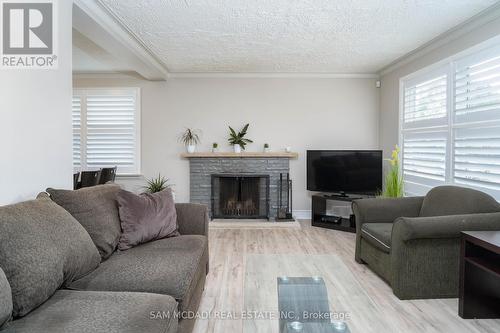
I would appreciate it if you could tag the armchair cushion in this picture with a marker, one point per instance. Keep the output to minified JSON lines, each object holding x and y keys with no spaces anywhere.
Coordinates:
{"x":454,"y":200}
{"x":378,"y":235}
{"x":434,"y":227}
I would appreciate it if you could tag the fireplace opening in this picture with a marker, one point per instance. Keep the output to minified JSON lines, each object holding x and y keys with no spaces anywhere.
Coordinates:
{"x":240,"y":196}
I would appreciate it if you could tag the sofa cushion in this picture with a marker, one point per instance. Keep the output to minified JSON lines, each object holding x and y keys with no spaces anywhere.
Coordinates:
{"x":71,"y":311}
{"x":378,"y":235}
{"x":42,"y":247}
{"x":146,"y":217}
{"x":169,"y":266}
{"x":455,"y":200}
{"x":97,"y":211}
{"x":5,"y":299}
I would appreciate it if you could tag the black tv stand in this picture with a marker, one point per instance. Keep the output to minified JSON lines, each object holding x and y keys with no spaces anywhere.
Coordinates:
{"x":324,"y":219}
{"x":341,"y":195}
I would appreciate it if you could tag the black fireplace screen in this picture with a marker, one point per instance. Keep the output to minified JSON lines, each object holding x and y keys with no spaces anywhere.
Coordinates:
{"x":240,"y":196}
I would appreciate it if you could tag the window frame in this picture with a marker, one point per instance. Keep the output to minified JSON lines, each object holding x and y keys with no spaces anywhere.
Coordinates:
{"x":82,"y":92}
{"x":449,"y":65}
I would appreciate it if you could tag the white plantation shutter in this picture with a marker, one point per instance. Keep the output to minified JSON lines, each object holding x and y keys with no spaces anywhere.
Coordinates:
{"x":111,"y":130}
{"x":425,"y":101}
{"x":477,"y":87}
{"x":77,"y":128}
{"x":424,"y":140}
{"x":450,"y":128}
{"x":477,"y":158}
{"x":424,"y":160}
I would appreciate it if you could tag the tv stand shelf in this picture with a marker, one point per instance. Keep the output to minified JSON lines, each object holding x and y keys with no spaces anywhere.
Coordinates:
{"x":321,"y":217}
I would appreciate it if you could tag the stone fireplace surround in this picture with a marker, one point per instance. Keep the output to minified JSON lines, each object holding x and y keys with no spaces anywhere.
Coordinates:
{"x":203,"y":165}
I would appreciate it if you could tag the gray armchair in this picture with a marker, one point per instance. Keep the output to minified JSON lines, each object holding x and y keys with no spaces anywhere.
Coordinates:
{"x":414,"y":243}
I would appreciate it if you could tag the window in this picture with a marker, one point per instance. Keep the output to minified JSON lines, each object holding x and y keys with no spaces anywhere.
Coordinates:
{"x":450,"y":123}
{"x":106,"y":129}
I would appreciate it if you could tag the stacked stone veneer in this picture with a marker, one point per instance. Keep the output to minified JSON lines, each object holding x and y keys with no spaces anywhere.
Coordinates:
{"x":202,"y":168}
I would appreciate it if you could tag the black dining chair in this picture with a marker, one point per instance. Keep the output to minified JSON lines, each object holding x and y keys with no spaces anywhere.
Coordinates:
{"x":76,"y":184}
{"x":89,"y":178}
{"x":107,"y":175}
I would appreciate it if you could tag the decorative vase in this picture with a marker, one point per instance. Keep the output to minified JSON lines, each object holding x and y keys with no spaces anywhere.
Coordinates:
{"x":214,"y":150}
{"x":237,"y":148}
{"x":191,"y":148}
{"x":288,"y":149}
{"x":267,"y":150}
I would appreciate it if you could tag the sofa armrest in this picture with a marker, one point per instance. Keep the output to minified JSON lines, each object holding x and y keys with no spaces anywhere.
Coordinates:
{"x":384,"y":210}
{"x":192,"y":218}
{"x":433,"y":227}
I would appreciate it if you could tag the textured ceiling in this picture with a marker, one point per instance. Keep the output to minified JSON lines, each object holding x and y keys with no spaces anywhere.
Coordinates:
{"x":304,"y":36}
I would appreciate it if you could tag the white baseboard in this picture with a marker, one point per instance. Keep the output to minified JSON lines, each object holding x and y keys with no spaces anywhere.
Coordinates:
{"x":302,"y":214}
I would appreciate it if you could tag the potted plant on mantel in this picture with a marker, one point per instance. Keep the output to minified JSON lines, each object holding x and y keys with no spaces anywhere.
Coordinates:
{"x":238,"y":140}
{"x":190,"y":138}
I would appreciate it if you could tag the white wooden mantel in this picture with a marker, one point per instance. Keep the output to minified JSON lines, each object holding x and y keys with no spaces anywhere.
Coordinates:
{"x":290,"y":155}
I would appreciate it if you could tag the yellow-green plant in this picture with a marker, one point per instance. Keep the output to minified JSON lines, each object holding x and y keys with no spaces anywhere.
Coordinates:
{"x":393,"y":180}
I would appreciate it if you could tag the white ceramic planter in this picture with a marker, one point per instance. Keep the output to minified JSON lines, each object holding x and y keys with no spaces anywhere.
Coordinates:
{"x":237,"y":148}
{"x":267,"y":150}
{"x":191,"y":148}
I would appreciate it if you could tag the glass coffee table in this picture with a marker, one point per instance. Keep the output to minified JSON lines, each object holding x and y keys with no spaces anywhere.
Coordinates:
{"x":299,"y":293}
{"x":303,"y":306}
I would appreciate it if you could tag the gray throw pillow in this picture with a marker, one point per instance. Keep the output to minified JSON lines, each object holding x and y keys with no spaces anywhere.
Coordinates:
{"x":42,"y":248}
{"x":97,"y":211}
{"x":146,"y":217}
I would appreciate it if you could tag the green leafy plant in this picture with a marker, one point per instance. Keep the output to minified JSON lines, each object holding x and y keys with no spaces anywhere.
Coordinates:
{"x":215,"y":145}
{"x":266,"y":145}
{"x":393,"y":180}
{"x":239,"y":138}
{"x":157,"y":184}
{"x":190,"y":137}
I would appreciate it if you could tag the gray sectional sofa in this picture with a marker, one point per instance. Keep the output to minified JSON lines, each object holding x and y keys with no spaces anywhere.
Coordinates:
{"x":414,"y":243}
{"x":52,"y":277}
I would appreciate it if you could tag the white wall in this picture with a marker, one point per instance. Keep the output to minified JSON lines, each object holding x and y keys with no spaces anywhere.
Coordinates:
{"x":35,"y":123}
{"x":298,"y":112}
{"x":389,"y":92}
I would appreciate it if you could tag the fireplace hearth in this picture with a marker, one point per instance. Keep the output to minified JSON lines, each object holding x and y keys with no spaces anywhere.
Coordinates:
{"x":240,"y":196}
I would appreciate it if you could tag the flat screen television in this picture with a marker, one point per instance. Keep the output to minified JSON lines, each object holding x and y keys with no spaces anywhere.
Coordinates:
{"x":344,"y":171}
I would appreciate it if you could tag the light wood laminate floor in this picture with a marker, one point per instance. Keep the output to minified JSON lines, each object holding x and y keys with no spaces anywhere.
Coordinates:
{"x":234,"y":261}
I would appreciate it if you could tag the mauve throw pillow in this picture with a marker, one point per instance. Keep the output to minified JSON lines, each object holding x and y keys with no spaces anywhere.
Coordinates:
{"x":146,"y":217}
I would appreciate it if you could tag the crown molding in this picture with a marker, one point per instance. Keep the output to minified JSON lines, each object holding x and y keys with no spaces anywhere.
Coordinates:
{"x":287,"y":75}
{"x":106,"y":75}
{"x":478,"y":20}
{"x":92,"y":19}
{"x":132,"y":75}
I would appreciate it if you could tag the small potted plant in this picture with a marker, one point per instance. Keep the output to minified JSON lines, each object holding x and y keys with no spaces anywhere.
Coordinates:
{"x":190,"y":138}
{"x":266,"y":148}
{"x":157,"y":184}
{"x":215,"y":147}
{"x":238,"y":140}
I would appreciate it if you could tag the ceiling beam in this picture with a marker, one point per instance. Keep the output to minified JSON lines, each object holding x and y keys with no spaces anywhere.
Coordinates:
{"x":94,"y":22}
